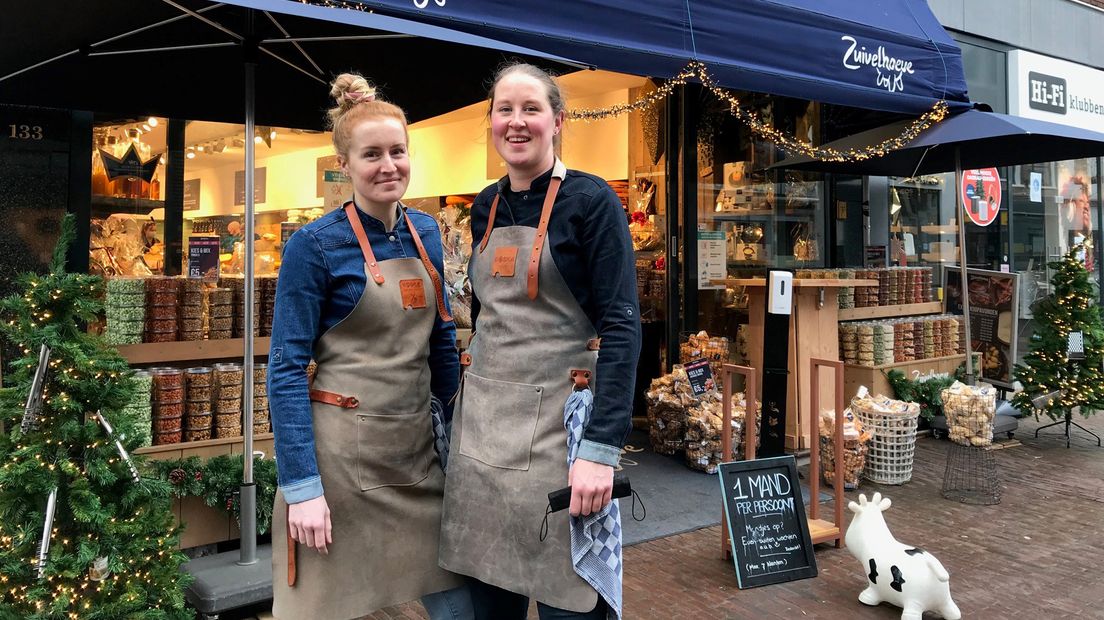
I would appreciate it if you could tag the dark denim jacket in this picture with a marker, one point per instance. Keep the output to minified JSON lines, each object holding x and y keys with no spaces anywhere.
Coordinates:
{"x":321,"y":280}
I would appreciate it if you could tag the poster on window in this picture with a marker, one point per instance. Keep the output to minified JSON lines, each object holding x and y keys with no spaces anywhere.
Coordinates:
{"x":994,"y":309}
{"x":712,"y":259}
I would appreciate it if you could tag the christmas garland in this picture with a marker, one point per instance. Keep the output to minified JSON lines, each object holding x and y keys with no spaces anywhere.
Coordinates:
{"x":218,"y":480}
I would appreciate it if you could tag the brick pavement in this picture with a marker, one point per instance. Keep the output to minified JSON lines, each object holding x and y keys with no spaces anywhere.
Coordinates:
{"x":1035,"y":555}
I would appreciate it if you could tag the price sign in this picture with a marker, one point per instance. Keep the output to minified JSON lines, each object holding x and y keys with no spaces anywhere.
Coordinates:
{"x":203,"y":257}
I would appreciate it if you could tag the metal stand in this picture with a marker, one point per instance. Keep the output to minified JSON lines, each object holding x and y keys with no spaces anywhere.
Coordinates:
{"x":750,"y":414}
{"x":971,"y":476}
{"x":1068,"y":422}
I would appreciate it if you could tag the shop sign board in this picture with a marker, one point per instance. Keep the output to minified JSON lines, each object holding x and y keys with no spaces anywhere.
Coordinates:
{"x":712,"y":259}
{"x":258,"y":186}
{"x":994,"y":310}
{"x":981,"y":195}
{"x":765,"y":517}
{"x":203,"y":257}
{"x":1055,"y":90}
{"x":338,"y":189}
{"x":191,"y":195}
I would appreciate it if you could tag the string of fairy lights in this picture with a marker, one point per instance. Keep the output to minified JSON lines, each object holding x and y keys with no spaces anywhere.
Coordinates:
{"x":697,"y":70}
{"x":793,"y":145}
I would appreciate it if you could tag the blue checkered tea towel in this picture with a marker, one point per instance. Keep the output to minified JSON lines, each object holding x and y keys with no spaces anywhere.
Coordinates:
{"x":595,"y":539}
{"x":440,"y":431}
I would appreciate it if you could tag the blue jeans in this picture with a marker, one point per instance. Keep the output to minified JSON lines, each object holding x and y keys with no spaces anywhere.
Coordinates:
{"x":454,"y":604}
{"x":494,"y":603}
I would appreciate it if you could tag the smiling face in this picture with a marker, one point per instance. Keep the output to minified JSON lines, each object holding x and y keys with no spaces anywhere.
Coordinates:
{"x":377,"y":162}
{"x":524,"y":127}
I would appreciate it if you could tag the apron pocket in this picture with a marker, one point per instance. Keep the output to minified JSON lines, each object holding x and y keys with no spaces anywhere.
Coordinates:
{"x":392,"y":449}
{"x":499,"y":421}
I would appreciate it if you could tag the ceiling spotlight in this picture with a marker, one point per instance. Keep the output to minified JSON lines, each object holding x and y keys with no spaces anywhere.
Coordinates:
{"x":152,"y":122}
{"x":162,"y":161}
{"x":191,"y":153}
{"x":257,"y":139}
{"x":146,"y":127}
{"x":272,"y":135}
{"x":201,"y":148}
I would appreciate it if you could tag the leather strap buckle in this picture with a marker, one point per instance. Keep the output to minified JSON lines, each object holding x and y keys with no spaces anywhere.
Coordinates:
{"x":581,"y":378}
{"x":465,"y":359}
{"x":338,"y":400}
{"x":594,"y":344}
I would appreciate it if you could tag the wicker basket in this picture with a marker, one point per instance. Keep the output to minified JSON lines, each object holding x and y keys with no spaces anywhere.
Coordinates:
{"x":892,"y":428}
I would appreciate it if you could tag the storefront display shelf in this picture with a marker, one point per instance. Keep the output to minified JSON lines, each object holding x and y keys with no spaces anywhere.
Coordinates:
{"x":939,"y":230}
{"x":112,"y":204}
{"x":152,"y":352}
{"x":802,"y":283}
{"x":874,"y":377}
{"x":881,"y":312}
{"x":172,"y":450}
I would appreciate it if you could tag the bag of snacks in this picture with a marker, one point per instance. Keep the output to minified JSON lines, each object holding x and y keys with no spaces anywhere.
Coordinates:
{"x":970,"y":411}
{"x":854,"y":448}
{"x":705,"y":431}
{"x":669,"y":397}
{"x":701,"y":346}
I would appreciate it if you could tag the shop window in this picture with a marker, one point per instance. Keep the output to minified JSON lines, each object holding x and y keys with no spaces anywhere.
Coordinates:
{"x":1055,"y":207}
{"x":750,"y":217}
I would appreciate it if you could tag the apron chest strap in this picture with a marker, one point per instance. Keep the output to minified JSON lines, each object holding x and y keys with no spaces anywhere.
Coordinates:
{"x":330,"y":398}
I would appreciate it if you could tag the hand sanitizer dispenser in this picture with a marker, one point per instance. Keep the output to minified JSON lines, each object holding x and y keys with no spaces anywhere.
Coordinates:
{"x":780,"y":293}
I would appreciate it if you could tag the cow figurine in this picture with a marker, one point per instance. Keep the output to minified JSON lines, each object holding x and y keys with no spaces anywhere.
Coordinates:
{"x":907,"y":577}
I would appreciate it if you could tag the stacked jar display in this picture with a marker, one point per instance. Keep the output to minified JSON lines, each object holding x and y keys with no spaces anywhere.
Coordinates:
{"x":168,"y":405}
{"x":125,"y":309}
{"x":236,"y":285}
{"x":228,"y":400}
{"x":198,"y":419}
{"x":141,"y":409}
{"x":192,"y":303}
{"x":267,"y":288}
{"x":874,"y":343}
{"x":162,"y":309}
{"x":261,"y":418}
{"x":220,"y":307}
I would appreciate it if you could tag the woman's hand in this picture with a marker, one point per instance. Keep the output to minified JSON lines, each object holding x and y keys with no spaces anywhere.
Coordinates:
{"x":591,"y":487}
{"x":309,"y":523}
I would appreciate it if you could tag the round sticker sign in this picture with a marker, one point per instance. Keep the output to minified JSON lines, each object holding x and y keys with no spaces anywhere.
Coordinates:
{"x":981,"y":195}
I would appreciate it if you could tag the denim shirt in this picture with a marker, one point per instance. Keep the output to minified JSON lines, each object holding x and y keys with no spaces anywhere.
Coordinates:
{"x":321,"y":280}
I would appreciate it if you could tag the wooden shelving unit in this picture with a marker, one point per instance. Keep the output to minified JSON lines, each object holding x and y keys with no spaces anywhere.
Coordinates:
{"x":199,"y":350}
{"x":881,"y":312}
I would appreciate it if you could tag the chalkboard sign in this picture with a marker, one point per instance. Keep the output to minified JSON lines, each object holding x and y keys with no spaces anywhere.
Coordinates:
{"x":766,"y":521}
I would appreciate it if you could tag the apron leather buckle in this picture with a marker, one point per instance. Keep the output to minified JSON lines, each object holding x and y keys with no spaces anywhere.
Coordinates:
{"x":581,"y":378}
{"x":465,"y":359}
{"x":594,"y":344}
{"x":348,"y":402}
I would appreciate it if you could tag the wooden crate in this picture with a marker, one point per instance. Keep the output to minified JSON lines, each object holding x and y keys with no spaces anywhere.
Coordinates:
{"x":874,"y":378}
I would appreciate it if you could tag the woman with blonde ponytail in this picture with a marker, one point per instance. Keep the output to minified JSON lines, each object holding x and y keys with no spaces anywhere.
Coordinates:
{"x":361,"y":446}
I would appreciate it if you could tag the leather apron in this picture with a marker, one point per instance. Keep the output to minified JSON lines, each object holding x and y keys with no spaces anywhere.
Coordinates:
{"x":374,"y":444}
{"x":509,"y":445}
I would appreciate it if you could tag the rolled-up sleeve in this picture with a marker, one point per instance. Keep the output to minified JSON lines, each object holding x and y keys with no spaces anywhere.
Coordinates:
{"x":300,"y":293}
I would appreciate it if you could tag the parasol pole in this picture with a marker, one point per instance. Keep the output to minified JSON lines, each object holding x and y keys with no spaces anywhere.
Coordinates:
{"x":248,"y":503}
{"x":960,"y":209}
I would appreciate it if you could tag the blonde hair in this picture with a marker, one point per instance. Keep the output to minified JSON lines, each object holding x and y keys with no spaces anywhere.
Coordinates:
{"x":356,"y":101}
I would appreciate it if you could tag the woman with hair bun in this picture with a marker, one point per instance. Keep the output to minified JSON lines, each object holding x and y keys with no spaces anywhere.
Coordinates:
{"x":553,"y":277}
{"x":361,"y":482}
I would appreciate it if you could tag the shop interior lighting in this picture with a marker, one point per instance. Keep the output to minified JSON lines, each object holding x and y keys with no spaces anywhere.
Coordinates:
{"x":191,"y":153}
{"x":152,"y":122}
{"x":146,"y":127}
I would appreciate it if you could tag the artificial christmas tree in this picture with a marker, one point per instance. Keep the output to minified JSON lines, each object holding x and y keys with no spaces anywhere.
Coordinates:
{"x":1054,"y":382}
{"x":65,"y":470}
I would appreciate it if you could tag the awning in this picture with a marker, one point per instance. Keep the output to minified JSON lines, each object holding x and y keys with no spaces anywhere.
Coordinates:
{"x":889,"y":55}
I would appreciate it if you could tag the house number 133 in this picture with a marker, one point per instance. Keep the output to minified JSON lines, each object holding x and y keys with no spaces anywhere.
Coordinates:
{"x":25,"y":132}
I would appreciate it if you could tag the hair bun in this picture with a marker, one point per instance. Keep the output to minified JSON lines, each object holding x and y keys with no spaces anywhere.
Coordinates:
{"x":350,"y":89}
